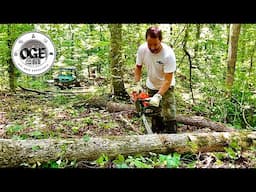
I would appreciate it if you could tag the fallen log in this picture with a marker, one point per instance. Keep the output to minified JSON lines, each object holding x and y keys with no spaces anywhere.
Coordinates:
{"x":198,"y":121}
{"x":202,"y":122}
{"x":32,"y":90}
{"x":60,"y":92}
{"x":14,"y":153}
{"x":117,"y":107}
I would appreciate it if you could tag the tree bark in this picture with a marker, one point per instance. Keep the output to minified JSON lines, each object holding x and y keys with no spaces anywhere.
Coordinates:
{"x":232,"y":54}
{"x":11,"y":67}
{"x":116,"y":107}
{"x":116,"y":62}
{"x":203,"y":122}
{"x":14,"y":153}
{"x":198,"y":121}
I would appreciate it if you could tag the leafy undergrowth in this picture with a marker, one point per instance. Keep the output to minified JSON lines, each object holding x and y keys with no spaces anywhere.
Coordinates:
{"x":245,"y":159}
{"x":33,"y":116}
{"x":40,"y":117}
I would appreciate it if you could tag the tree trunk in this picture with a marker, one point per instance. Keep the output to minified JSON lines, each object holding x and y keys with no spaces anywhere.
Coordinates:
{"x":11,"y":67}
{"x":13,"y":153}
{"x":184,"y":47}
{"x":116,"y":61}
{"x":232,"y":54}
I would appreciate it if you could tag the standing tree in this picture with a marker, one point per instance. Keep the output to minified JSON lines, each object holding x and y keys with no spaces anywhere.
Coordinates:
{"x":232,"y":55}
{"x":185,"y":49}
{"x":13,"y":32}
{"x":11,"y":67}
{"x":116,"y":61}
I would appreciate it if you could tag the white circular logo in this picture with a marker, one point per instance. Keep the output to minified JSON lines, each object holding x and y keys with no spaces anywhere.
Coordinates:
{"x":33,"y":53}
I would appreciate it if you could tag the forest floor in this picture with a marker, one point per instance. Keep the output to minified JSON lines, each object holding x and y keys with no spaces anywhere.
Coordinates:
{"x":28,"y":115}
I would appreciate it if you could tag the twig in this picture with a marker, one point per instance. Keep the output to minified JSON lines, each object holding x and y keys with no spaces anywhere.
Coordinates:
{"x":129,"y":124}
{"x":244,"y":118}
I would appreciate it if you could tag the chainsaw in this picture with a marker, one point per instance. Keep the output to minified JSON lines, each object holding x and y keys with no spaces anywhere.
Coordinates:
{"x":143,"y":108}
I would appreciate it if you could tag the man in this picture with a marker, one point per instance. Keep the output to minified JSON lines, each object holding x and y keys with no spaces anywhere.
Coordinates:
{"x":160,"y":62}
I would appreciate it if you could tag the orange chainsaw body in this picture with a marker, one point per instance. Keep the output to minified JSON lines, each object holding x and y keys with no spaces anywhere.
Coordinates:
{"x":140,"y":96}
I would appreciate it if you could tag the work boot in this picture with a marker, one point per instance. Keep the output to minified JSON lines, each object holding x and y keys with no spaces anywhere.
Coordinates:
{"x":170,"y":126}
{"x":157,"y":124}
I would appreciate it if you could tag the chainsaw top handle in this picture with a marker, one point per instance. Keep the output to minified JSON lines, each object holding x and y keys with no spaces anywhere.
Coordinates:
{"x":143,"y":107}
{"x":141,"y":100}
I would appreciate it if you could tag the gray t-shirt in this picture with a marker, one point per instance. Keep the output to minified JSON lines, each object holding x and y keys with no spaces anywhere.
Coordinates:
{"x":157,"y":64}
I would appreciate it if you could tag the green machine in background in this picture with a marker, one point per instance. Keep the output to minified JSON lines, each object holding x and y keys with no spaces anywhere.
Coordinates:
{"x":67,"y":78}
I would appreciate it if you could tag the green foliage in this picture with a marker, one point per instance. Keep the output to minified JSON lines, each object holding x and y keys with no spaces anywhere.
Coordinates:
{"x":35,"y":148}
{"x":107,"y":125}
{"x":232,"y":152}
{"x":220,"y":155}
{"x":102,"y":160}
{"x":208,"y":75}
{"x":20,"y":137}
{"x":234,"y":149}
{"x":150,"y":161}
{"x":86,"y":138}
{"x":36,"y":134}
{"x":138,"y":161}
{"x":14,"y":129}
{"x":68,"y":123}
{"x":171,"y":160}
{"x":75,"y":129}
{"x":120,"y":162}
{"x":237,"y":111}
{"x":32,"y":82}
{"x":60,"y":100}
{"x":87,"y":121}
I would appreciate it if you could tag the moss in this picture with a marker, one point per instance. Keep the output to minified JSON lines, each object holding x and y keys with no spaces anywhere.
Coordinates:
{"x":203,"y":141}
{"x":193,"y":147}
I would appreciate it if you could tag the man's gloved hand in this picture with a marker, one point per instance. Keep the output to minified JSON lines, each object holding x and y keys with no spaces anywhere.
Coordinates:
{"x":155,"y":100}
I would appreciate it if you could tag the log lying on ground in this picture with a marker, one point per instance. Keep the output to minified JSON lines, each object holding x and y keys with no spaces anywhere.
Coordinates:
{"x":32,"y":90}
{"x":60,"y":92}
{"x":116,"y":107}
{"x":13,"y":153}
{"x":198,"y":121}
{"x":202,"y":122}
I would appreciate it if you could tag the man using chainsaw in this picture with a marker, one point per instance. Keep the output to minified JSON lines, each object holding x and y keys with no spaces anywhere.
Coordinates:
{"x":160,"y":62}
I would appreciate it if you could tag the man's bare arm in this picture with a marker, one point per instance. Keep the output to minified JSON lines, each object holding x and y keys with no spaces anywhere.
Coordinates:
{"x":166,"y":84}
{"x":137,"y":74}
